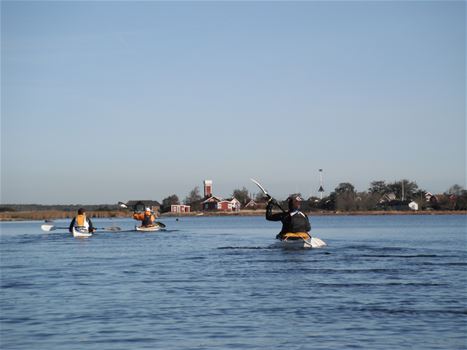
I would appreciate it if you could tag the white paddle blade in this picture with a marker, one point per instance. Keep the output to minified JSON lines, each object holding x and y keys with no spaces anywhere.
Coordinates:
{"x":260,"y":187}
{"x":122,"y":205}
{"x":317,"y":243}
{"x":47,"y":227}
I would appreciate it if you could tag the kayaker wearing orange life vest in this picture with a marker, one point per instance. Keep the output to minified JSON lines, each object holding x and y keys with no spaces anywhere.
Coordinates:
{"x":293,"y":221}
{"x":81,"y":220}
{"x":147,"y":218}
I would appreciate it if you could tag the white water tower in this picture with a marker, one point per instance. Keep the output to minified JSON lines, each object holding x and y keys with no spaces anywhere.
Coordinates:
{"x":207,"y":188}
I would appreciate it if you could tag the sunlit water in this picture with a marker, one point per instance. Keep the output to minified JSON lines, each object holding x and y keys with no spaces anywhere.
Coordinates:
{"x":392,"y":282}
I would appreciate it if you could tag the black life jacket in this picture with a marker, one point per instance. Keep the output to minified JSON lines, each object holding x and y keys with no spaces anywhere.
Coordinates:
{"x":295,"y":222}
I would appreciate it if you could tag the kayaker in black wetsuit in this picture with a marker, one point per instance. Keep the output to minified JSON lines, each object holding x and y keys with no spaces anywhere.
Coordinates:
{"x":81,"y":220}
{"x":293,"y":220}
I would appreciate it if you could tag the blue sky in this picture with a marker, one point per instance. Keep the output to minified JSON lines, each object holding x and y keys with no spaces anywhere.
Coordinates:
{"x":108,"y":101}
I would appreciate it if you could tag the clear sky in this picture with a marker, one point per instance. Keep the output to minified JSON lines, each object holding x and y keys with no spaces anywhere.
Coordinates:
{"x":108,"y":101}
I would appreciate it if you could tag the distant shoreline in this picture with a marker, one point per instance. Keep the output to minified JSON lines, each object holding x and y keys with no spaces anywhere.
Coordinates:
{"x":326,"y":213}
{"x":57,"y":215}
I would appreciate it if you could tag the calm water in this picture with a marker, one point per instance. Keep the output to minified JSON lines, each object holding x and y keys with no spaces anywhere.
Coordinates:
{"x":394,"y":282}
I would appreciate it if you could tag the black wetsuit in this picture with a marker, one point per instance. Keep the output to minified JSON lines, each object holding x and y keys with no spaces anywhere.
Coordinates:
{"x":292,"y":221}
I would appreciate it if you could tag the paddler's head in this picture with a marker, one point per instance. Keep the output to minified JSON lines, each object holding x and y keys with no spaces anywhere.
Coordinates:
{"x":294,"y":201}
{"x":81,"y":211}
{"x":147,"y":211}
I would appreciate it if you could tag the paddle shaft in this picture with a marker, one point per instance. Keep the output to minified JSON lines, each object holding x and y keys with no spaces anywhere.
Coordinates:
{"x":52,"y":228}
{"x":274,"y":202}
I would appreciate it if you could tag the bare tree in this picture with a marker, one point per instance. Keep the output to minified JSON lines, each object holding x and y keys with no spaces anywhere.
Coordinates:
{"x":168,"y":201}
{"x":242,"y":195}
{"x":194,"y":199}
{"x":455,"y":190}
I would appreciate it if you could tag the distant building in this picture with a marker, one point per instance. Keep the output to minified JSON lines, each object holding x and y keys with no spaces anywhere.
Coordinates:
{"x":214,"y":203}
{"x":251,"y":205}
{"x":388,"y":197}
{"x":255,"y":204}
{"x":431,"y":198}
{"x":180,"y":208}
{"x":210,"y":203}
{"x":230,"y":204}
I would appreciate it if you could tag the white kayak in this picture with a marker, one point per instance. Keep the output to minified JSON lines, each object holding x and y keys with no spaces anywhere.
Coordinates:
{"x":300,"y":241}
{"x":147,"y":228}
{"x":81,"y":232}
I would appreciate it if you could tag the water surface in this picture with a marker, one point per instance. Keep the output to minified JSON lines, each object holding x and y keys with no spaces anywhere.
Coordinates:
{"x":386,"y":282}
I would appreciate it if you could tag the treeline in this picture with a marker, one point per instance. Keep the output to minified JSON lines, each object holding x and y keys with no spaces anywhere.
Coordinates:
{"x":390,"y":196}
{"x":379,"y":196}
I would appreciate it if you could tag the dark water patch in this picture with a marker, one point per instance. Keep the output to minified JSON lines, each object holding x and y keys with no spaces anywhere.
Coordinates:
{"x":195,"y":258}
{"x":346,"y":271}
{"x":442,"y":263}
{"x":361,"y":247}
{"x":244,"y":248}
{"x":17,"y":285}
{"x":120,"y":340}
{"x":404,"y":256}
{"x":15,"y":320}
{"x":410,"y":312}
{"x":380,"y":284}
{"x":13,"y":267}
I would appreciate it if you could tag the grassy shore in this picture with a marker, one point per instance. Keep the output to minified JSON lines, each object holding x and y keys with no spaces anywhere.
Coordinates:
{"x":58,"y":214}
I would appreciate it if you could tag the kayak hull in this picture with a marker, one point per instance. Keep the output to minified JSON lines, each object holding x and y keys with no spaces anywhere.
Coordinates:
{"x":81,"y":232}
{"x":301,"y":243}
{"x":147,"y":229}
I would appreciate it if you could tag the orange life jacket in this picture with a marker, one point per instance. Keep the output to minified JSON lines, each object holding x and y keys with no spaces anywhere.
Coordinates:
{"x":80,"y":220}
{"x":138,"y":216}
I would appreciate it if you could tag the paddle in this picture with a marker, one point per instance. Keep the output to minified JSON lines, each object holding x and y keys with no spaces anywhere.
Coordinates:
{"x":268,"y":195}
{"x":48,"y":228}
{"x":123,"y":205}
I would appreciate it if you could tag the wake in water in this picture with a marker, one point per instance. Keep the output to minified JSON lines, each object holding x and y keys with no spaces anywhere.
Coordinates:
{"x":242,"y":248}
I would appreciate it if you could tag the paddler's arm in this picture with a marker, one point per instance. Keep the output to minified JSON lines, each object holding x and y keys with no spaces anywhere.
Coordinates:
{"x":270,"y":216}
{"x":72,"y":223}
{"x":308,"y":225}
{"x":91,"y":227}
